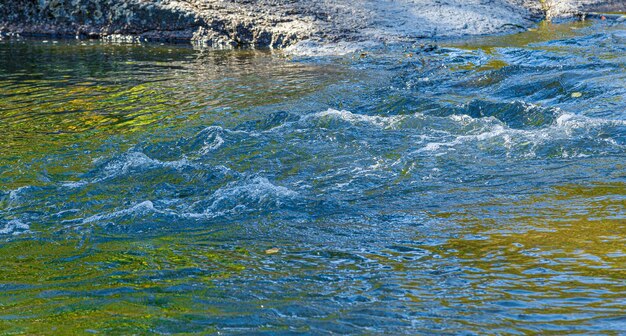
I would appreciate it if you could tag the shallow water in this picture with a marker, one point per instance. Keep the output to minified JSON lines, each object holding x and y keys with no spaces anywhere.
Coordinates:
{"x":476,"y":188}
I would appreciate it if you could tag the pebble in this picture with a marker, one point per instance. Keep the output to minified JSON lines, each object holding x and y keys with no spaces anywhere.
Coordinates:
{"x":273,"y":250}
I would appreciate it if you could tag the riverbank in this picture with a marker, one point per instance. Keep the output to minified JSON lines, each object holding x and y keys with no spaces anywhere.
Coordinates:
{"x":281,"y":23}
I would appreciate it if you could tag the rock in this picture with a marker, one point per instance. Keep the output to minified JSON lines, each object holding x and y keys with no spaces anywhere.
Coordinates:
{"x":568,"y":8}
{"x":281,"y":23}
{"x":273,"y":250}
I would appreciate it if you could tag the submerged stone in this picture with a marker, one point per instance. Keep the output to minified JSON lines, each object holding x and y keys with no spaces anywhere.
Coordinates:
{"x":273,"y":250}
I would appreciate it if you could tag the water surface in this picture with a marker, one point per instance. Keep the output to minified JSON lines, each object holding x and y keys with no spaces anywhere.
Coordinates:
{"x":476,"y":188}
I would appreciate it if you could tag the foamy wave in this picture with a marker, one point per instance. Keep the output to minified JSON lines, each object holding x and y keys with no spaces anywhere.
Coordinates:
{"x":240,"y":196}
{"x":15,"y":194}
{"x":132,"y":160}
{"x":15,"y":227}
{"x":206,"y":141}
{"x":569,"y":122}
{"x":137,"y":209}
{"x":126,"y":164}
{"x":566,"y":126}
{"x":212,"y":143}
{"x":251,"y":194}
{"x":355,"y":119}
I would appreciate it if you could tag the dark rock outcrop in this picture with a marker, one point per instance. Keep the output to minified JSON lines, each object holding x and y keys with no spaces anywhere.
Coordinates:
{"x":211,"y":22}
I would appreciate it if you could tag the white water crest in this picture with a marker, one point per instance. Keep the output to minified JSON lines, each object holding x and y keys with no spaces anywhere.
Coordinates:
{"x":135,"y":159}
{"x":16,"y":194}
{"x":127,"y":163}
{"x":240,"y":196}
{"x":137,"y":209}
{"x":212,"y":141}
{"x":356,"y":119}
{"x":14,"y":227}
{"x":566,"y":127}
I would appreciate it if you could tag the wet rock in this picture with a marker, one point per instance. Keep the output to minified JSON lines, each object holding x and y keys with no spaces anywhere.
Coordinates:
{"x":281,"y":23}
{"x":567,"y":8}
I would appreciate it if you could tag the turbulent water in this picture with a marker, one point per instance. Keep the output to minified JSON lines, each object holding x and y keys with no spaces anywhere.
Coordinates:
{"x":476,"y":188}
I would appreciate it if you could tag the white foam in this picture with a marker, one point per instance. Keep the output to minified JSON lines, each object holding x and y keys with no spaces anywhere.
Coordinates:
{"x":569,"y":121}
{"x":15,"y":194}
{"x":212,"y":144}
{"x":139,"y":208}
{"x":138,"y":159}
{"x":353,"y":118}
{"x":15,"y":227}
{"x":244,"y":195}
{"x":564,"y":127}
{"x":129,"y":161}
{"x":76,"y":184}
{"x":257,"y":190}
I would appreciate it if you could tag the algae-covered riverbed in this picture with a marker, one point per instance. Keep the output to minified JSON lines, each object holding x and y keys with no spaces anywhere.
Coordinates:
{"x":476,"y":188}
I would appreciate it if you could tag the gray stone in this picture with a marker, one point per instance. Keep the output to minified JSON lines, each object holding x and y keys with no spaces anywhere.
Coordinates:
{"x":281,"y":23}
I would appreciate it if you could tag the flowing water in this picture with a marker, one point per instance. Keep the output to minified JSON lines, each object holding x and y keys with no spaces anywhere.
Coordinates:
{"x":476,"y":188}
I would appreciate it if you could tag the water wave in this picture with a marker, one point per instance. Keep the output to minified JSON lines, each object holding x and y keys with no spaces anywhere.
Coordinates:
{"x":240,"y":196}
{"x":207,"y":140}
{"x":249,"y":194}
{"x":135,"y":210}
{"x":330,"y":115}
{"x":15,"y":227}
{"x":565,"y":130}
{"x":131,"y":162}
{"x":518,"y":128}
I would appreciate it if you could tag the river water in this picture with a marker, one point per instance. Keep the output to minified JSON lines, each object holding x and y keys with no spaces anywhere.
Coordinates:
{"x":476,"y":188}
